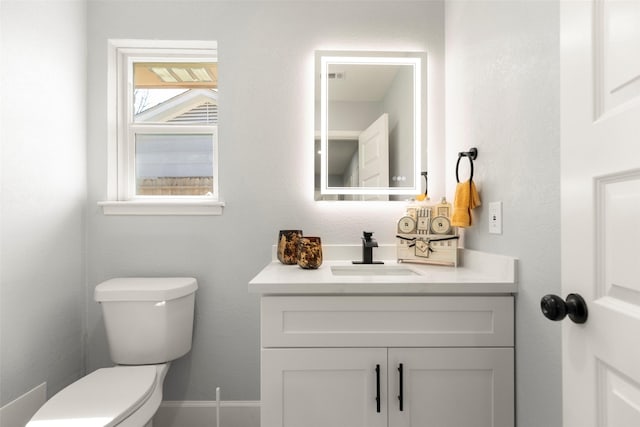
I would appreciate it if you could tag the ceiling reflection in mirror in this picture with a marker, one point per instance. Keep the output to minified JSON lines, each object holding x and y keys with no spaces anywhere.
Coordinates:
{"x":368,"y":125}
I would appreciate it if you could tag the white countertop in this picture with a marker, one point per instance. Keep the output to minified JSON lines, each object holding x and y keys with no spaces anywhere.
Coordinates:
{"x":478,"y":273}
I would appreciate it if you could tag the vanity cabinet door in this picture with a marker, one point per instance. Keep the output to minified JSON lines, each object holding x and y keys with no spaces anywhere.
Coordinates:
{"x":324,"y":387}
{"x":452,"y":387}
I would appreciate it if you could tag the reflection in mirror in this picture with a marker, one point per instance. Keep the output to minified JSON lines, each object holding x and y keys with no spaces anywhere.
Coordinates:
{"x":368,"y":125}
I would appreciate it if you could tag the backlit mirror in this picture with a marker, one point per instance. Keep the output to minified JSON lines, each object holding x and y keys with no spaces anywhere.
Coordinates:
{"x":369,"y":134}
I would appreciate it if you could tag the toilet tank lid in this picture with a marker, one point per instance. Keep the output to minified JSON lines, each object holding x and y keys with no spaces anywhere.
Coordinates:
{"x":145,"y":288}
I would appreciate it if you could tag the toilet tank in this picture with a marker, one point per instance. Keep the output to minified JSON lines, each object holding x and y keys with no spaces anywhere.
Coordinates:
{"x":148,"y":320}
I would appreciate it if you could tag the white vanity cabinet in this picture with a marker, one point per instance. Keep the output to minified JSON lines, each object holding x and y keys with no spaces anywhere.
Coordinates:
{"x":323,"y":387}
{"x":387,"y":360}
{"x":452,"y":387}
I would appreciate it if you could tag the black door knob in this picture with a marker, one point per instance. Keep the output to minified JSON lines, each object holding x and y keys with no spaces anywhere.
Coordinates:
{"x":555,"y":308}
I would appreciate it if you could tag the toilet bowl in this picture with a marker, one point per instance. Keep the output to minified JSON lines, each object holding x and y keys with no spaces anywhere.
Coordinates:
{"x":149,"y":323}
{"x":123,"y":396}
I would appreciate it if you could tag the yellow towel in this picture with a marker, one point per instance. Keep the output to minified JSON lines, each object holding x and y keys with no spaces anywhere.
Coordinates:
{"x":466,"y":199}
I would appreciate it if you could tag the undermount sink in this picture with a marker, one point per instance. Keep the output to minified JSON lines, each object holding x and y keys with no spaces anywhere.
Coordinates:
{"x":372,"y":270}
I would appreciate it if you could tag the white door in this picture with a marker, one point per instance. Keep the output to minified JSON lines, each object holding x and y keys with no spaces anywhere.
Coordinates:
{"x":600,"y":191}
{"x":461,"y":387}
{"x":373,"y":156}
{"x":324,"y":387}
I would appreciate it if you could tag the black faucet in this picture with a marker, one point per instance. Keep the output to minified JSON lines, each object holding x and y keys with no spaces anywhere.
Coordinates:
{"x":368,"y":243}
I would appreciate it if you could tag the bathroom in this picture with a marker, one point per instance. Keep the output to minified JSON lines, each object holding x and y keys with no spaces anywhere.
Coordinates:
{"x":494,"y":69}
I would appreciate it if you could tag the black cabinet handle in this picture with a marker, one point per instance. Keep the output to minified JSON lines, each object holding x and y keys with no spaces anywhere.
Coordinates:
{"x":401,"y":395}
{"x":378,"y":388}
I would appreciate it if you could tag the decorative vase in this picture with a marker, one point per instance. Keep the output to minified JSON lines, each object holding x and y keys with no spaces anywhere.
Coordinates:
{"x":288,"y":246}
{"x":310,"y":252}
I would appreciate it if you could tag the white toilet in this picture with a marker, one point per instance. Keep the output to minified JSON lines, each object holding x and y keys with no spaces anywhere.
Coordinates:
{"x":149,"y":323}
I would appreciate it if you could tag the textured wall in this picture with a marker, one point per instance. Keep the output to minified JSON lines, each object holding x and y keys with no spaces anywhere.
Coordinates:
{"x":266,"y":52}
{"x":42,"y":131}
{"x":503,"y":97}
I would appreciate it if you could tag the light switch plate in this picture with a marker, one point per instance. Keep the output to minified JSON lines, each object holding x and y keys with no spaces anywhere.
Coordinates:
{"x":495,"y":218}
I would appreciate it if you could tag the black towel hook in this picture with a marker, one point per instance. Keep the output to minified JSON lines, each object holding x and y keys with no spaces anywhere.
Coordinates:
{"x":472,"y":154}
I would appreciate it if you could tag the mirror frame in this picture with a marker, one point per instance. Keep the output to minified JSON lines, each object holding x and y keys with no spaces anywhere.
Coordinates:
{"x":417,"y":61}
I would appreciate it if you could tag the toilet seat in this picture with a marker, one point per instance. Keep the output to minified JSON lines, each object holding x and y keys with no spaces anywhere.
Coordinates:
{"x":105,"y":397}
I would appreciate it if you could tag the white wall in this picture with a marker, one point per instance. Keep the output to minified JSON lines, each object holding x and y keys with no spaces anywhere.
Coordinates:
{"x":266,"y":52}
{"x":42,"y":132}
{"x":503,"y":97}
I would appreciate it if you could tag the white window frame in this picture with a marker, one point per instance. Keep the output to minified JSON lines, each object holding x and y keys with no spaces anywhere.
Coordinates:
{"x":122,"y":130}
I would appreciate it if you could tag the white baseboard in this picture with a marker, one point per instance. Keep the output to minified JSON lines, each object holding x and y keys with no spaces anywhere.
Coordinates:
{"x":20,"y":411}
{"x":202,"y":413}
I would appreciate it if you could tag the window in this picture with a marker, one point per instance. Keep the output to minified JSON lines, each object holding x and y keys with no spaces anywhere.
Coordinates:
{"x":163,"y":135}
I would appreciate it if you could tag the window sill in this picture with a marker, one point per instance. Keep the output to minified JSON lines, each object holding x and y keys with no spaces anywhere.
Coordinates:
{"x":162,"y":207}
